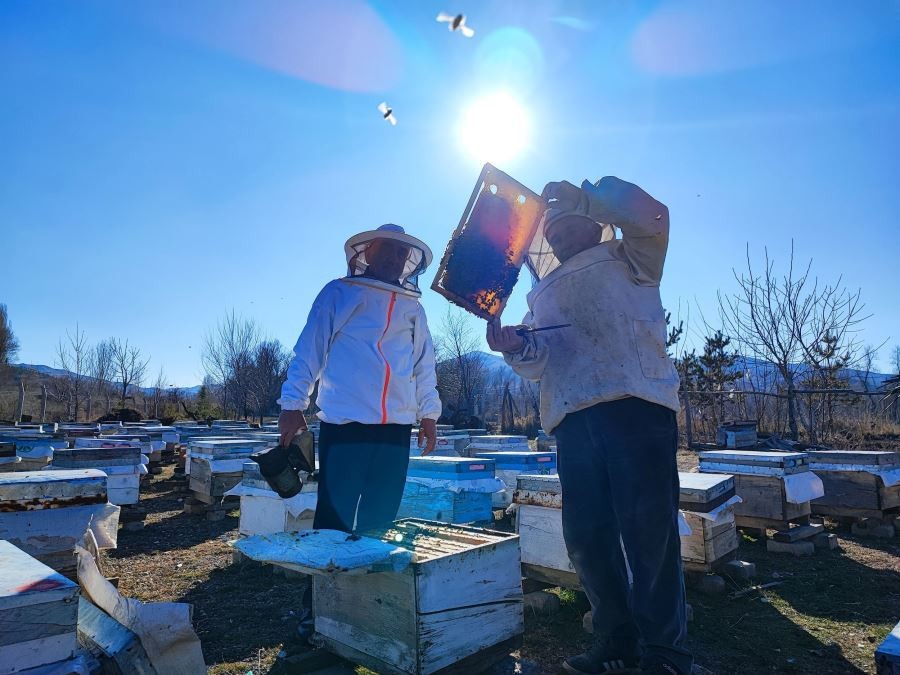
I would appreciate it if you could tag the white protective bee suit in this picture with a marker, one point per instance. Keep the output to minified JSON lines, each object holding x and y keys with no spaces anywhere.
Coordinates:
{"x":366,"y":342}
{"x":615,"y":346}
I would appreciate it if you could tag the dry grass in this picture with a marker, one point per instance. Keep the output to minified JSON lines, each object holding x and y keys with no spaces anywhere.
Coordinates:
{"x":827,"y":616}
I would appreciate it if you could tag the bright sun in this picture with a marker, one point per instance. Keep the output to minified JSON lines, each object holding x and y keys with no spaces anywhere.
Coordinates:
{"x":494,"y":129}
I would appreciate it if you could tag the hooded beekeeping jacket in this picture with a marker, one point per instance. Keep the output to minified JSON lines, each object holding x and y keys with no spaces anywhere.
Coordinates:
{"x":367,"y":344}
{"x":616,"y":345}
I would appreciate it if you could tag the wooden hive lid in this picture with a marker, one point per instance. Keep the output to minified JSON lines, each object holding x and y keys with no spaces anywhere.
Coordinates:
{"x":34,"y":490}
{"x":862,"y":457}
{"x":703,"y":492}
{"x":26,"y":581}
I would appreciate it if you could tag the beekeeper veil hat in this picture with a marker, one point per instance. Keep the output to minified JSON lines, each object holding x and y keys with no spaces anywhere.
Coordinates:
{"x":418,"y":259}
{"x":541,"y":260}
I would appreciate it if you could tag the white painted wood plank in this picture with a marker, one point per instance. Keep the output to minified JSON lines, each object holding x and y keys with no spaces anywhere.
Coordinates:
{"x":35,"y":653}
{"x":477,"y":576}
{"x":448,"y":637}
{"x":541,"y":537}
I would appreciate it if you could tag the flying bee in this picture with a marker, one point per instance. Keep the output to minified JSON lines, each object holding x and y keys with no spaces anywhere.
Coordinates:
{"x":387,"y":113}
{"x":455,"y":23}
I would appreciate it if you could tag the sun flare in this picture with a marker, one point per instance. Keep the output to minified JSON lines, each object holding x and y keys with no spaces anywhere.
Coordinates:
{"x":494,"y":129}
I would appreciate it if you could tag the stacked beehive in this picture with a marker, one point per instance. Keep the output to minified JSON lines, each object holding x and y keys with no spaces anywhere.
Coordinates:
{"x":34,"y":449}
{"x":214,"y":467}
{"x":512,"y":463}
{"x":38,"y":615}
{"x":449,"y":489}
{"x":776,"y":489}
{"x":46,"y":513}
{"x":449,"y":443}
{"x":707,"y":502}
{"x":264,"y":512}
{"x":118,"y":460}
{"x":538,"y":500}
{"x":496,"y":443}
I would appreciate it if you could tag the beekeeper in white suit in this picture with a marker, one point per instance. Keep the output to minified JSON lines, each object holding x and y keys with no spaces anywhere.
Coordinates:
{"x":609,"y":393}
{"x":366,"y":342}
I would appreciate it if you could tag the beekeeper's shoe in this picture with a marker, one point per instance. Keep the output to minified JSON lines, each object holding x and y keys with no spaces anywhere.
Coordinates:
{"x":602,"y":659}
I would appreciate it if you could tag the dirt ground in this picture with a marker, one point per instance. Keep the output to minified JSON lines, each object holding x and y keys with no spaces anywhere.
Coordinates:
{"x":828,"y":614}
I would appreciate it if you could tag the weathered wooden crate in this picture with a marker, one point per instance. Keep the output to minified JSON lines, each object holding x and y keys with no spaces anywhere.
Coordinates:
{"x":415,"y":597}
{"x":448,"y":489}
{"x":38,"y":612}
{"x":760,"y":480}
{"x":510,"y":464}
{"x":705,"y":500}
{"x":460,"y":597}
{"x":216,"y":465}
{"x":738,"y":434}
{"x":887,"y":656}
{"x":858,"y":483}
{"x":38,"y":490}
{"x":120,"y":650}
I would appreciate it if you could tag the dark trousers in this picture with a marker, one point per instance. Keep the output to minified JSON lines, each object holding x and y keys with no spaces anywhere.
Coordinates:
{"x":619,"y":479}
{"x":362,"y":472}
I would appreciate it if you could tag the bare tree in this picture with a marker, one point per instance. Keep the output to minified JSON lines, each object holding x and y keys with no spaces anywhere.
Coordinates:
{"x":793,"y":322}
{"x":895,"y":360}
{"x":129,"y":365}
{"x":159,"y":386}
{"x":269,"y":370}
{"x":228,"y":352}
{"x":461,"y":367}
{"x":72,"y":356}
{"x":100,"y":370}
{"x":9,"y":345}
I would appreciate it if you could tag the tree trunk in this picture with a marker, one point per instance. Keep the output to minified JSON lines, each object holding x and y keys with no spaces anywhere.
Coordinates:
{"x":43,"y":403}
{"x":90,"y":407}
{"x":20,"y":408}
{"x":792,"y":410}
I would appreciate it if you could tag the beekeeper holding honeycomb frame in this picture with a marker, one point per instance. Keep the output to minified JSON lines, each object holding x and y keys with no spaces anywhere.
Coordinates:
{"x":609,"y":393}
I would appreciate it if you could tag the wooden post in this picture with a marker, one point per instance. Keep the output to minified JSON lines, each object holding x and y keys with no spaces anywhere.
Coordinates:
{"x":688,"y":421}
{"x":89,"y":406}
{"x":21,"y":407}
{"x":43,"y":403}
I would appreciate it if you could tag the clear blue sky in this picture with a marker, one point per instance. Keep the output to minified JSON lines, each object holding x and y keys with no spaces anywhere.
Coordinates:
{"x":165,"y":162}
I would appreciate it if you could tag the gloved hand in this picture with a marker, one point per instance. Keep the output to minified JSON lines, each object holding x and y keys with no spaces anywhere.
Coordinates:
{"x":609,"y":200}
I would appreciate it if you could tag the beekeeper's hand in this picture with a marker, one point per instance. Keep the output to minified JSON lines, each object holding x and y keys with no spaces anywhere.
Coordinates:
{"x":427,"y":436}
{"x":504,"y":338}
{"x":290,"y":423}
{"x":617,"y":202}
{"x":564,"y":195}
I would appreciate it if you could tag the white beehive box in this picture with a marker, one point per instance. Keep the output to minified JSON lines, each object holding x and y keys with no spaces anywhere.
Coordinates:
{"x":452,"y":595}
{"x":216,"y":466}
{"x":38,"y":612}
{"x":121,"y":463}
{"x":264,"y":512}
{"x":538,"y":500}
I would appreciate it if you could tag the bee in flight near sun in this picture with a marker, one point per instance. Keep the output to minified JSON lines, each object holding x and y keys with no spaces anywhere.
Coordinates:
{"x":455,"y":23}
{"x":387,"y":113}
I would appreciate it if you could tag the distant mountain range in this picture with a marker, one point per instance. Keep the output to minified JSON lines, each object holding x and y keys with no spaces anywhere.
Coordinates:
{"x":57,"y":372}
{"x":756,"y":371}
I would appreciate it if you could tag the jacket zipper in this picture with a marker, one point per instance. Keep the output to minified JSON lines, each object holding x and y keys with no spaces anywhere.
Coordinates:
{"x":387,"y":365}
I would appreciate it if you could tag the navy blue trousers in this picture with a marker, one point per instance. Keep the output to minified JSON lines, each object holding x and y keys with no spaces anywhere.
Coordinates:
{"x":362,"y":472}
{"x":619,"y":479}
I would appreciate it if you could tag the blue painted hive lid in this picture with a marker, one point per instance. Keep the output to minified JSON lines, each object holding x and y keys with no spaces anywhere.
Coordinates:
{"x":451,"y":468}
{"x":521,"y":460}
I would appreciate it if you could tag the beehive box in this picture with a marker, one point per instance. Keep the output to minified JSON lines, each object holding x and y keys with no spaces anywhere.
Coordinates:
{"x":264,"y":512}
{"x":35,"y":450}
{"x":38,"y":612}
{"x":858,"y":483}
{"x":538,"y":500}
{"x":449,"y":489}
{"x":775,"y":486}
{"x":706,"y":502}
{"x":121,"y":464}
{"x":511,"y":463}
{"x":216,"y":466}
{"x":451,"y":596}
{"x":737,"y":434}
{"x":45,"y":513}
